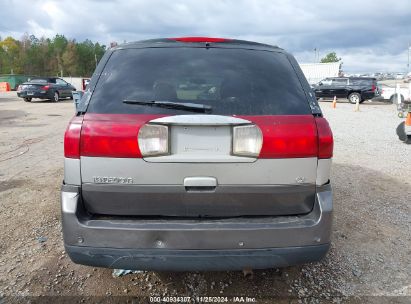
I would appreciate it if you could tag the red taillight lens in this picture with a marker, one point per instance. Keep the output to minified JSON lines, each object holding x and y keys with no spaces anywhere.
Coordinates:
{"x":112,"y":135}
{"x":108,"y":139}
{"x":72,"y":138}
{"x":373,"y":87}
{"x":45,"y":88}
{"x":287,"y":136}
{"x":325,"y":138}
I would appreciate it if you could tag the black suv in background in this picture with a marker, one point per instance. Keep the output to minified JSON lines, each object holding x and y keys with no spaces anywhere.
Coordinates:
{"x":353,"y":88}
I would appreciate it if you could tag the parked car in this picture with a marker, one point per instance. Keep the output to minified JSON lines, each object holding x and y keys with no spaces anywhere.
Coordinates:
{"x":52,"y":88}
{"x":399,"y":76}
{"x":390,"y":93}
{"x":353,"y":88}
{"x":197,"y":154}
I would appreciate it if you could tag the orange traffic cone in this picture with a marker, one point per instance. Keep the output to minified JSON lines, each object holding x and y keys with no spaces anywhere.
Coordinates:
{"x":334,"y":104}
{"x":408,"y":119}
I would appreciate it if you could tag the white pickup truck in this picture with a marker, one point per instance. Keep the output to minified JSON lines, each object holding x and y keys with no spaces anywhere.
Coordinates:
{"x":390,"y":93}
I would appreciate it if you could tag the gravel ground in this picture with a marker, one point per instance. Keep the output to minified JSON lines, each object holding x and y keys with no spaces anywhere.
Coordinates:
{"x":369,"y":260}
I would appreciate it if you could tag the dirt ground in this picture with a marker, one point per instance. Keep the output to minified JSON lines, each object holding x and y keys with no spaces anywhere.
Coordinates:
{"x":369,"y":261}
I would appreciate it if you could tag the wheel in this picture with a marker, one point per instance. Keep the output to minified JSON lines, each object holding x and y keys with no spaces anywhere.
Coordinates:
{"x":27,"y":99}
{"x":56,"y":97}
{"x":354,"y":98}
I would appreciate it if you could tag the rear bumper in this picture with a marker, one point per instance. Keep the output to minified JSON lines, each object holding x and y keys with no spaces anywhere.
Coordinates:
{"x":206,"y":244}
{"x":195,"y":260}
{"x":45,"y":95}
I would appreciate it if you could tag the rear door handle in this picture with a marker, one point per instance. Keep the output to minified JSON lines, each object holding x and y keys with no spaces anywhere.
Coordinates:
{"x":200,"y":183}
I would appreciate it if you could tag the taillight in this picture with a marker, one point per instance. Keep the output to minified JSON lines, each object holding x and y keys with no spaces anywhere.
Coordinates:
{"x":287,"y":136}
{"x":72,"y":138}
{"x":373,"y":87}
{"x":153,"y":140}
{"x":19,"y":88}
{"x":325,"y":138}
{"x":112,"y":135}
{"x":247,"y":140}
{"x":45,"y":88}
{"x":109,"y":139}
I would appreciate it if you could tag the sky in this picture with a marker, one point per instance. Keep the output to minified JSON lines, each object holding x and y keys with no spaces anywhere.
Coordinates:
{"x":369,"y":36}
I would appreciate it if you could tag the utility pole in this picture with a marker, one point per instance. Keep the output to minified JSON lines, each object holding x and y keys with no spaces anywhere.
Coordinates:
{"x":408,"y":62}
{"x":316,"y":55}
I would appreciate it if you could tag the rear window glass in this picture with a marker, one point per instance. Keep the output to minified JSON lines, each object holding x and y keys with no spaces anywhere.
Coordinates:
{"x":363,"y":81}
{"x":230,"y":81}
{"x":42,"y":80}
{"x":339,"y":81}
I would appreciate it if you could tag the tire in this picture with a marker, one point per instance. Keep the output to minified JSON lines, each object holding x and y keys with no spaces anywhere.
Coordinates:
{"x":354,"y":98}
{"x":27,"y":99}
{"x":401,"y":132}
{"x":56,"y":97}
{"x":394,"y":99}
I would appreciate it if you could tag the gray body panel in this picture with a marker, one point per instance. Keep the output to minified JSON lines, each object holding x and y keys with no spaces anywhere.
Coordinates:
{"x":262,"y":187}
{"x":72,"y":175}
{"x":260,"y":172}
{"x":323,"y":171}
{"x":220,"y":201}
{"x":200,"y":120}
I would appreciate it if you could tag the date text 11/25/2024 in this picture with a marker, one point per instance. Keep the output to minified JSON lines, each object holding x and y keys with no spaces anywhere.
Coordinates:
{"x":202,"y":299}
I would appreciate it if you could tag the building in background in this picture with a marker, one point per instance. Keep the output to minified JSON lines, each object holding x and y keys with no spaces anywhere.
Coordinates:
{"x":14,"y":80}
{"x":315,"y":72}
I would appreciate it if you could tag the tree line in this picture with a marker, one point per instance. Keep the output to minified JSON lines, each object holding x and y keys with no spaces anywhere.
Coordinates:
{"x":49,"y":57}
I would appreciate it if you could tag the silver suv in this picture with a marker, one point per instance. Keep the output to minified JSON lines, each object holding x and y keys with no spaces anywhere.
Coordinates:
{"x":197,"y":154}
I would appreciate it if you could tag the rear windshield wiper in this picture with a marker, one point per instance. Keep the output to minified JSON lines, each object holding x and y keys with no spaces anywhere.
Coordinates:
{"x":194,"y":107}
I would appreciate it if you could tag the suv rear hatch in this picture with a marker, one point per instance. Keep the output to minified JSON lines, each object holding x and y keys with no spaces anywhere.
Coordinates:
{"x":200,"y":132}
